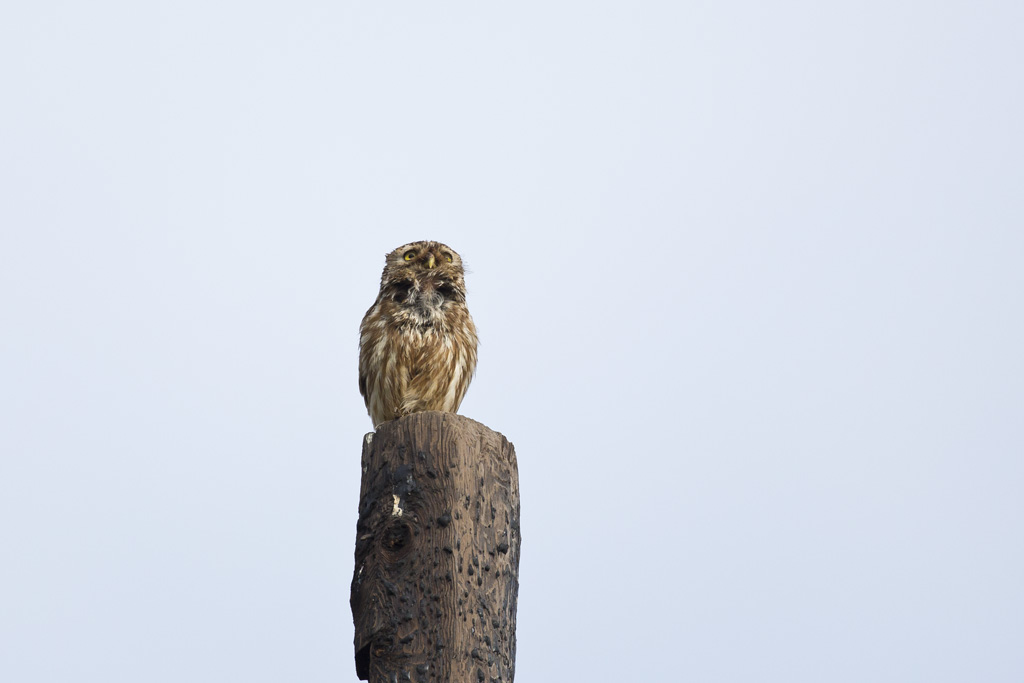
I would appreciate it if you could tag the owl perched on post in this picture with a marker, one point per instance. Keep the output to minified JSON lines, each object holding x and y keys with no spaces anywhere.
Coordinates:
{"x":417,"y":343}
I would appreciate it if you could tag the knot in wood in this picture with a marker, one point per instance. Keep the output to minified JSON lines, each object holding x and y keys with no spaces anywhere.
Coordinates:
{"x":396,"y":541}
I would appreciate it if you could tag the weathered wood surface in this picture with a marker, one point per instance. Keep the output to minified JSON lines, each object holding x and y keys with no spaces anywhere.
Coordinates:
{"x":437,"y":553}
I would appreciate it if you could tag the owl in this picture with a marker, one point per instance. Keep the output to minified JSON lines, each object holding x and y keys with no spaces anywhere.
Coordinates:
{"x":417,"y":343}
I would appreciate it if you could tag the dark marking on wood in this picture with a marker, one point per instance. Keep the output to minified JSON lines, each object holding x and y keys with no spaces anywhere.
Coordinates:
{"x":434,"y":591}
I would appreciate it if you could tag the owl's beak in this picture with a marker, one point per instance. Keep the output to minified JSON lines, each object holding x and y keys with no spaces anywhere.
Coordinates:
{"x":430,"y":261}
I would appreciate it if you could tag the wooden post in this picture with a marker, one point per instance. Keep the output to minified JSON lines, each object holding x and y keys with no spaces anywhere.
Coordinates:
{"x":437,"y":553}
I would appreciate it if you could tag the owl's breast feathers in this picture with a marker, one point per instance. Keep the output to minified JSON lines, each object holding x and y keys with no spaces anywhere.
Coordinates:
{"x":417,"y":352}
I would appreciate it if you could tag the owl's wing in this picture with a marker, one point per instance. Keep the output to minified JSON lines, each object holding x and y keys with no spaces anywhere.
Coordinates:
{"x":362,"y":388}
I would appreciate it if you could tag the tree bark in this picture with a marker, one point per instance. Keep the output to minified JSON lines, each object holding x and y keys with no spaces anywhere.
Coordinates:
{"x":437,"y":553}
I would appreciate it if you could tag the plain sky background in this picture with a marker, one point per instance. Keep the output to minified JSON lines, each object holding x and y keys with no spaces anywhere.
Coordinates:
{"x":748,"y":279}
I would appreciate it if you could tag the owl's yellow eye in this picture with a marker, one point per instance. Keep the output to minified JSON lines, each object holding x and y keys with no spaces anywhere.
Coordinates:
{"x":409,"y":255}
{"x":447,"y":257}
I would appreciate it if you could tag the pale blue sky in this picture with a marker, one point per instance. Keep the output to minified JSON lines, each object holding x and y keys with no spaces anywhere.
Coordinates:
{"x":748,"y":279}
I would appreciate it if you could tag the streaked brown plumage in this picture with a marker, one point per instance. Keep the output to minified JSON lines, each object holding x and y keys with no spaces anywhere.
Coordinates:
{"x":417,"y":343}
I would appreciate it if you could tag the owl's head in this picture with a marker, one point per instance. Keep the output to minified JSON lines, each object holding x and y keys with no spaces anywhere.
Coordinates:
{"x":423,"y":268}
